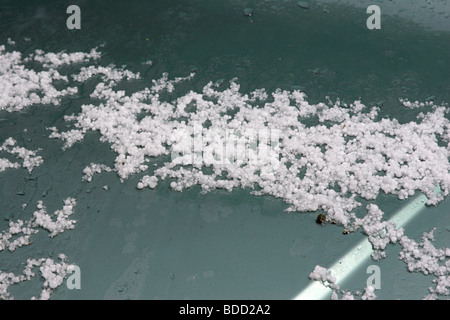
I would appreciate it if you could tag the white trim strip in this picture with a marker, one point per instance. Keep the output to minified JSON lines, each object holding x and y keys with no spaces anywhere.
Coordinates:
{"x":345,"y":266}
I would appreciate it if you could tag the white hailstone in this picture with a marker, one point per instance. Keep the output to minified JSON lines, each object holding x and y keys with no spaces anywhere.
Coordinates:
{"x":19,"y":85}
{"x":334,"y":296}
{"x":324,"y":276}
{"x":93,"y":168}
{"x":60,"y":222}
{"x":369,"y":293}
{"x":6,"y":164}
{"x":350,"y":148}
{"x":52,"y":272}
{"x":346,"y":295}
{"x":30,"y":160}
{"x":424,"y":257}
{"x":21,"y":231}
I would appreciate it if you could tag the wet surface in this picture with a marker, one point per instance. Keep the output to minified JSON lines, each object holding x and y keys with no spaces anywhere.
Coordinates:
{"x":161,"y":244}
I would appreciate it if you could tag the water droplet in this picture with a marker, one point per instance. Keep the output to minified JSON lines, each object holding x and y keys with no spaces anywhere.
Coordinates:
{"x":303,"y":4}
{"x":248,"y":12}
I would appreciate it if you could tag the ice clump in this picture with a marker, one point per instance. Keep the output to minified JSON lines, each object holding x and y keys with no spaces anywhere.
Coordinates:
{"x":320,"y":167}
{"x":380,"y":233}
{"x":20,"y":232}
{"x":93,"y":168}
{"x":424,"y":257}
{"x":262,"y":141}
{"x":53,"y":273}
{"x":30,"y":159}
{"x":369,"y":293}
{"x":421,"y":257}
{"x":21,"y":87}
{"x":416,"y":104}
{"x":52,"y":60}
{"x":5,"y":164}
{"x":15,"y":228}
{"x":325,"y":277}
{"x":109,"y":73}
{"x":148,"y":181}
{"x":60,"y":223}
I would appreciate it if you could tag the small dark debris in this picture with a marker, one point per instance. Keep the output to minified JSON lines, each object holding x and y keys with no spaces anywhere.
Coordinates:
{"x":321,"y":219}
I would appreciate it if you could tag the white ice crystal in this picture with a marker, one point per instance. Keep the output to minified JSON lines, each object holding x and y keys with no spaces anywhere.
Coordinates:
{"x":380,"y":233}
{"x":57,"y":223}
{"x":322,"y":156}
{"x":29,"y":158}
{"x":52,"y":60}
{"x":416,"y":104}
{"x":424,"y":257}
{"x":20,"y":232}
{"x":322,"y":167}
{"x":324,"y":276}
{"x":355,"y":154}
{"x":94,"y":168}
{"x":110,"y":73}
{"x":52,"y":272}
{"x":369,"y":293}
{"x":18,"y":235}
{"x":21,"y":87}
{"x":148,"y":181}
{"x":6,"y":164}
